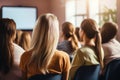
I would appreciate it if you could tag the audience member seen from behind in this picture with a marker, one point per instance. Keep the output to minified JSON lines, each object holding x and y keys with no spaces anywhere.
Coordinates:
{"x":70,"y":41}
{"x":110,"y":45}
{"x":25,"y":41}
{"x":43,"y":58}
{"x":17,"y":49}
{"x":8,"y":69}
{"x":91,"y":52}
{"x":18,"y":36}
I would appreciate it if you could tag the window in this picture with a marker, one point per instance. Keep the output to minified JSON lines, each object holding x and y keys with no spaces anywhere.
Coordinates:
{"x":99,"y":10}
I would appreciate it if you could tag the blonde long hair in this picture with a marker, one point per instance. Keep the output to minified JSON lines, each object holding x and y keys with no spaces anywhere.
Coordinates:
{"x":44,"y":41}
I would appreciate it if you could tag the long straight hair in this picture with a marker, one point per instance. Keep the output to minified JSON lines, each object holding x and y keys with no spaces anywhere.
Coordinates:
{"x":44,"y":41}
{"x":68,"y":30}
{"x":89,"y":26}
{"x":7,"y":33}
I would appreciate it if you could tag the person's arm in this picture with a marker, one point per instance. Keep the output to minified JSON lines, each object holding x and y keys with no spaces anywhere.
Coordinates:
{"x":77,"y":62}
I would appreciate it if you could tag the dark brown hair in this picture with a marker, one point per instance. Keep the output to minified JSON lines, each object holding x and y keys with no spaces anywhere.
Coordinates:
{"x":7,"y":32}
{"x":108,"y":31}
{"x":77,"y":33}
{"x":69,"y":32}
{"x":89,"y":26}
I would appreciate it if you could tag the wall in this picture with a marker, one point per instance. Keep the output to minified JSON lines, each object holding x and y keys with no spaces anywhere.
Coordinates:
{"x":42,"y":5}
{"x":56,"y":7}
{"x":118,"y":19}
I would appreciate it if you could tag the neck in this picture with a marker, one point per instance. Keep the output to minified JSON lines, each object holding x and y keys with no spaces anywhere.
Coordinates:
{"x":89,"y":42}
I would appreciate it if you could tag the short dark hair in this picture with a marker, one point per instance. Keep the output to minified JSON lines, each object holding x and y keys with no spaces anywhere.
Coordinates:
{"x":108,"y":31}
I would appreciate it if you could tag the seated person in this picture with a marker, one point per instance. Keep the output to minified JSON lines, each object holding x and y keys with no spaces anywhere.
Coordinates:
{"x":43,"y":58}
{"x":91,"y":52}
{"x":70,"y":41}
{"x":9,"y":69}
{"x":110,"y":45}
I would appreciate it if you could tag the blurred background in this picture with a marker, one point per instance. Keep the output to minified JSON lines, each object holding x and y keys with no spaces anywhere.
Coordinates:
{"x":73,"y":11}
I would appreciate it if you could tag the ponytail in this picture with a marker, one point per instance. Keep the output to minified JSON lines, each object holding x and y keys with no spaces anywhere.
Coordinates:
{"x":74,"y":42}
{"x":98,"y":48}
{"x":68,"y":30}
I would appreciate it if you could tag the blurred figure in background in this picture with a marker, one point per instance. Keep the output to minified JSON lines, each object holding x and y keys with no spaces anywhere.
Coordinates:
{"x":25,"y":41}
{"x":70,"y":41}
{"x":110,"y":45}
{"x":8,"y":63}
{"x":18,"y":36}
{"x":43,"y":58}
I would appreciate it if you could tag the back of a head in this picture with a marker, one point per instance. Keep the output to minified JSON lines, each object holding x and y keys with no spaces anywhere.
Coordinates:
{"x":108,"y":31}
{"x":68,"y":30}
{"x":89,"y":26}
{"x":9,"y":28}
{"x":7,"y":34}
{"x":44,"y":40}
{"x":46,"y":31}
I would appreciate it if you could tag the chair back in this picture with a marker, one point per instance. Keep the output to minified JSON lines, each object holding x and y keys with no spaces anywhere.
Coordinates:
{"x":88,"y":73}
{"x":112,"y":70}
{"x":46,"y":77}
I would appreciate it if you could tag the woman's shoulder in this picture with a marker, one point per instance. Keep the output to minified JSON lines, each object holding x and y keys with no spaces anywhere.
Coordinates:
{"x":86,"y":50}
{"x":26,"y":55}
{"x":62,"y":58}
{"x":61,"y":54}
{"x":18,"y":48}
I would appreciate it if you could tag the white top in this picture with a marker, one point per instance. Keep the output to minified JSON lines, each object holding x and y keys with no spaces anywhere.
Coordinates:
{"x":18,"y":51}
{"x":111,"y":50}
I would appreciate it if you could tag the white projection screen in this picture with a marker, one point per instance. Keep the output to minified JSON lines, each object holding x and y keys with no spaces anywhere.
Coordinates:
{"x":25,"y":17}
